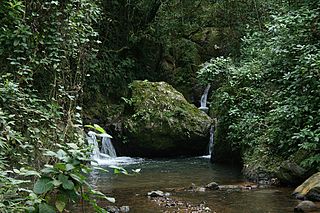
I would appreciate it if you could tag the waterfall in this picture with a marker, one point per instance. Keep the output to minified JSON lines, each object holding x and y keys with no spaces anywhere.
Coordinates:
{"x":106,"y":155}
{"x":107,"y":147}
{"x":211,"y":141}
{"x":203,"y":101}
{"x":107,"y":150}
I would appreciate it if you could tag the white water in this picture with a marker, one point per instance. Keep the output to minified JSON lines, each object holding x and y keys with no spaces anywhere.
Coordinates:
{"x":211,"y":140}
{"x":210,"y":145}
{"x":204,"y":97}
{"x":107,"y":147}
{"x":107,"y":154}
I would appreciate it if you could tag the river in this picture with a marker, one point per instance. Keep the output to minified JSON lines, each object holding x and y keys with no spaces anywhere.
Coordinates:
{"x":176,"y":176}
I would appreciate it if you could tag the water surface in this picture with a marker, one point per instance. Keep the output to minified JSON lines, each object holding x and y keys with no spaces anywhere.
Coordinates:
{"x":176,"y":175}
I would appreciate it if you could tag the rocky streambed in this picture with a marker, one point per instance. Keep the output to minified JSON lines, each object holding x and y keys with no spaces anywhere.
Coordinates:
{"x":192,"y":185}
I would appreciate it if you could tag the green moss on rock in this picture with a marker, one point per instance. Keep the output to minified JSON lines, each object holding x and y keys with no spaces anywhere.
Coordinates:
{"x":162,"y":123}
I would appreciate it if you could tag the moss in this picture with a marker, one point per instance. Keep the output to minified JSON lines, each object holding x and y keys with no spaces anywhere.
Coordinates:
{"x":163,"y":121}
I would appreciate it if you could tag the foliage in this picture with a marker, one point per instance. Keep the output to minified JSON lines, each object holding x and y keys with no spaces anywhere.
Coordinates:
{"x":270,"y":100}
{"x":45,"y":47}
{"x":163,"y":41}
{"x":65,"y":182}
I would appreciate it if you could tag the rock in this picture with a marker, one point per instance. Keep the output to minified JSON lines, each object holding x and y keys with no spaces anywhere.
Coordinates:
{"x":194,"y":188}
{"x":160,"y":122}
{"x":212,"y":186}
{"x":158,"y":193}
{"x":174,"y":205}
{"x":200,"y":189}
{"x":291,"y":173}
{"x":238,"y":187}
{"x":124,"y":209}
{"x":309,"y":189}
{"x":207,"y":209}
{"x":230,"y":187}
{"x":113,"y":209}
{"x":305,"y":206}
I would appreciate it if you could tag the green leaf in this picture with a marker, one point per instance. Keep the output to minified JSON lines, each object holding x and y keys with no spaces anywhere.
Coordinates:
{"x":60,"y":205}
{"x":62,"y":155}
{"x":26,"y":172}
{"x":56,"y":183}
{"x":66,"y":184}
{"x":72,"y":195}
{"x":50,"y":153}
{"x":73,"y":146}
{"x":100,"y":194}
{"x":45,"y":208}
{"x":110,"y":199}
{"x":43,"y":185}
{"x":78,"y":177}
{"x":69,"y":167}
{"x":48,"y":169}
{"x":60,"y":166}
{"x":96,"y":127}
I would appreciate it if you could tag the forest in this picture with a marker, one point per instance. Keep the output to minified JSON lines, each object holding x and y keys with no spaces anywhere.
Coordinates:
{"x":135,"y":70}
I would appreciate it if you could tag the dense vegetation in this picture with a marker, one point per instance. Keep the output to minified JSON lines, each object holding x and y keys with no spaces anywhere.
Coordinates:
{"x":267,"y":101}
{"x":45,"y":48}
{"x":63,"y":61}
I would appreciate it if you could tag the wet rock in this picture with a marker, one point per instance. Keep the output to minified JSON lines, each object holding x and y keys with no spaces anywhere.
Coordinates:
{"x":158,"y":193}
{"x":200,"y":189}
{"x":306,"y":206}
{"x":230,"y":187}
{"x":161,"y":122}
{"x":195,"y":188}
{"x":212,"y":186}
{"x":124,"y":209}
{"x":239,"y":187}
{"x":310,"y":189}
{"x":175,"y":205}
{"x":113,"y":209}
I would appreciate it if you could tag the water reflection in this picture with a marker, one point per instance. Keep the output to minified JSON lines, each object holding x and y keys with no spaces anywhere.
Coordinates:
{"x":178,"y":174}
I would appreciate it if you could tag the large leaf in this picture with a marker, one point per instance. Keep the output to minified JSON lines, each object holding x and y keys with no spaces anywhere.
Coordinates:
{"x":45,"y":208}
{"x":60,"y":205}
{"x":69,"y":167}
{"x":43,"y":185}
{"x":60,"y":166}
{"x":101,"y":195}
{"x":66,"y":183}
{"x":48,"y":169}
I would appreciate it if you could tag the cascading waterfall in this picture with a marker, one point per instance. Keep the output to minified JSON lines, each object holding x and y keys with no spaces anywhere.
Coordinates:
{"x":107,"y":147}
{"x":92,"y":140}
{"x":107,"y":150}
{"x":107,"y":154}
{"x":204,"y":108}
{"x":203,"y":101}
{"x":211,"y":141}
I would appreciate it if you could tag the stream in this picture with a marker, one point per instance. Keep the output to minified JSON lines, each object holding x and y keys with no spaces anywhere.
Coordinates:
{"x":176,"y":176}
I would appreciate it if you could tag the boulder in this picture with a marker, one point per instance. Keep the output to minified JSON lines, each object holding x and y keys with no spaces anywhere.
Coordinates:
{"x":309,"y":189}
{"x":305,"y":206}
{"x":160,"y":122}
{"x":212,"y":186}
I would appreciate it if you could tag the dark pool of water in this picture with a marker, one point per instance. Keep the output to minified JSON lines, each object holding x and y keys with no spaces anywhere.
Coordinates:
{"x":177,"y":174}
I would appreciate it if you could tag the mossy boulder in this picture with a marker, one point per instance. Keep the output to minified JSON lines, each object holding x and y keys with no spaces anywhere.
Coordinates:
{"x":160,"y":122}
{"x":310,"y":189}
